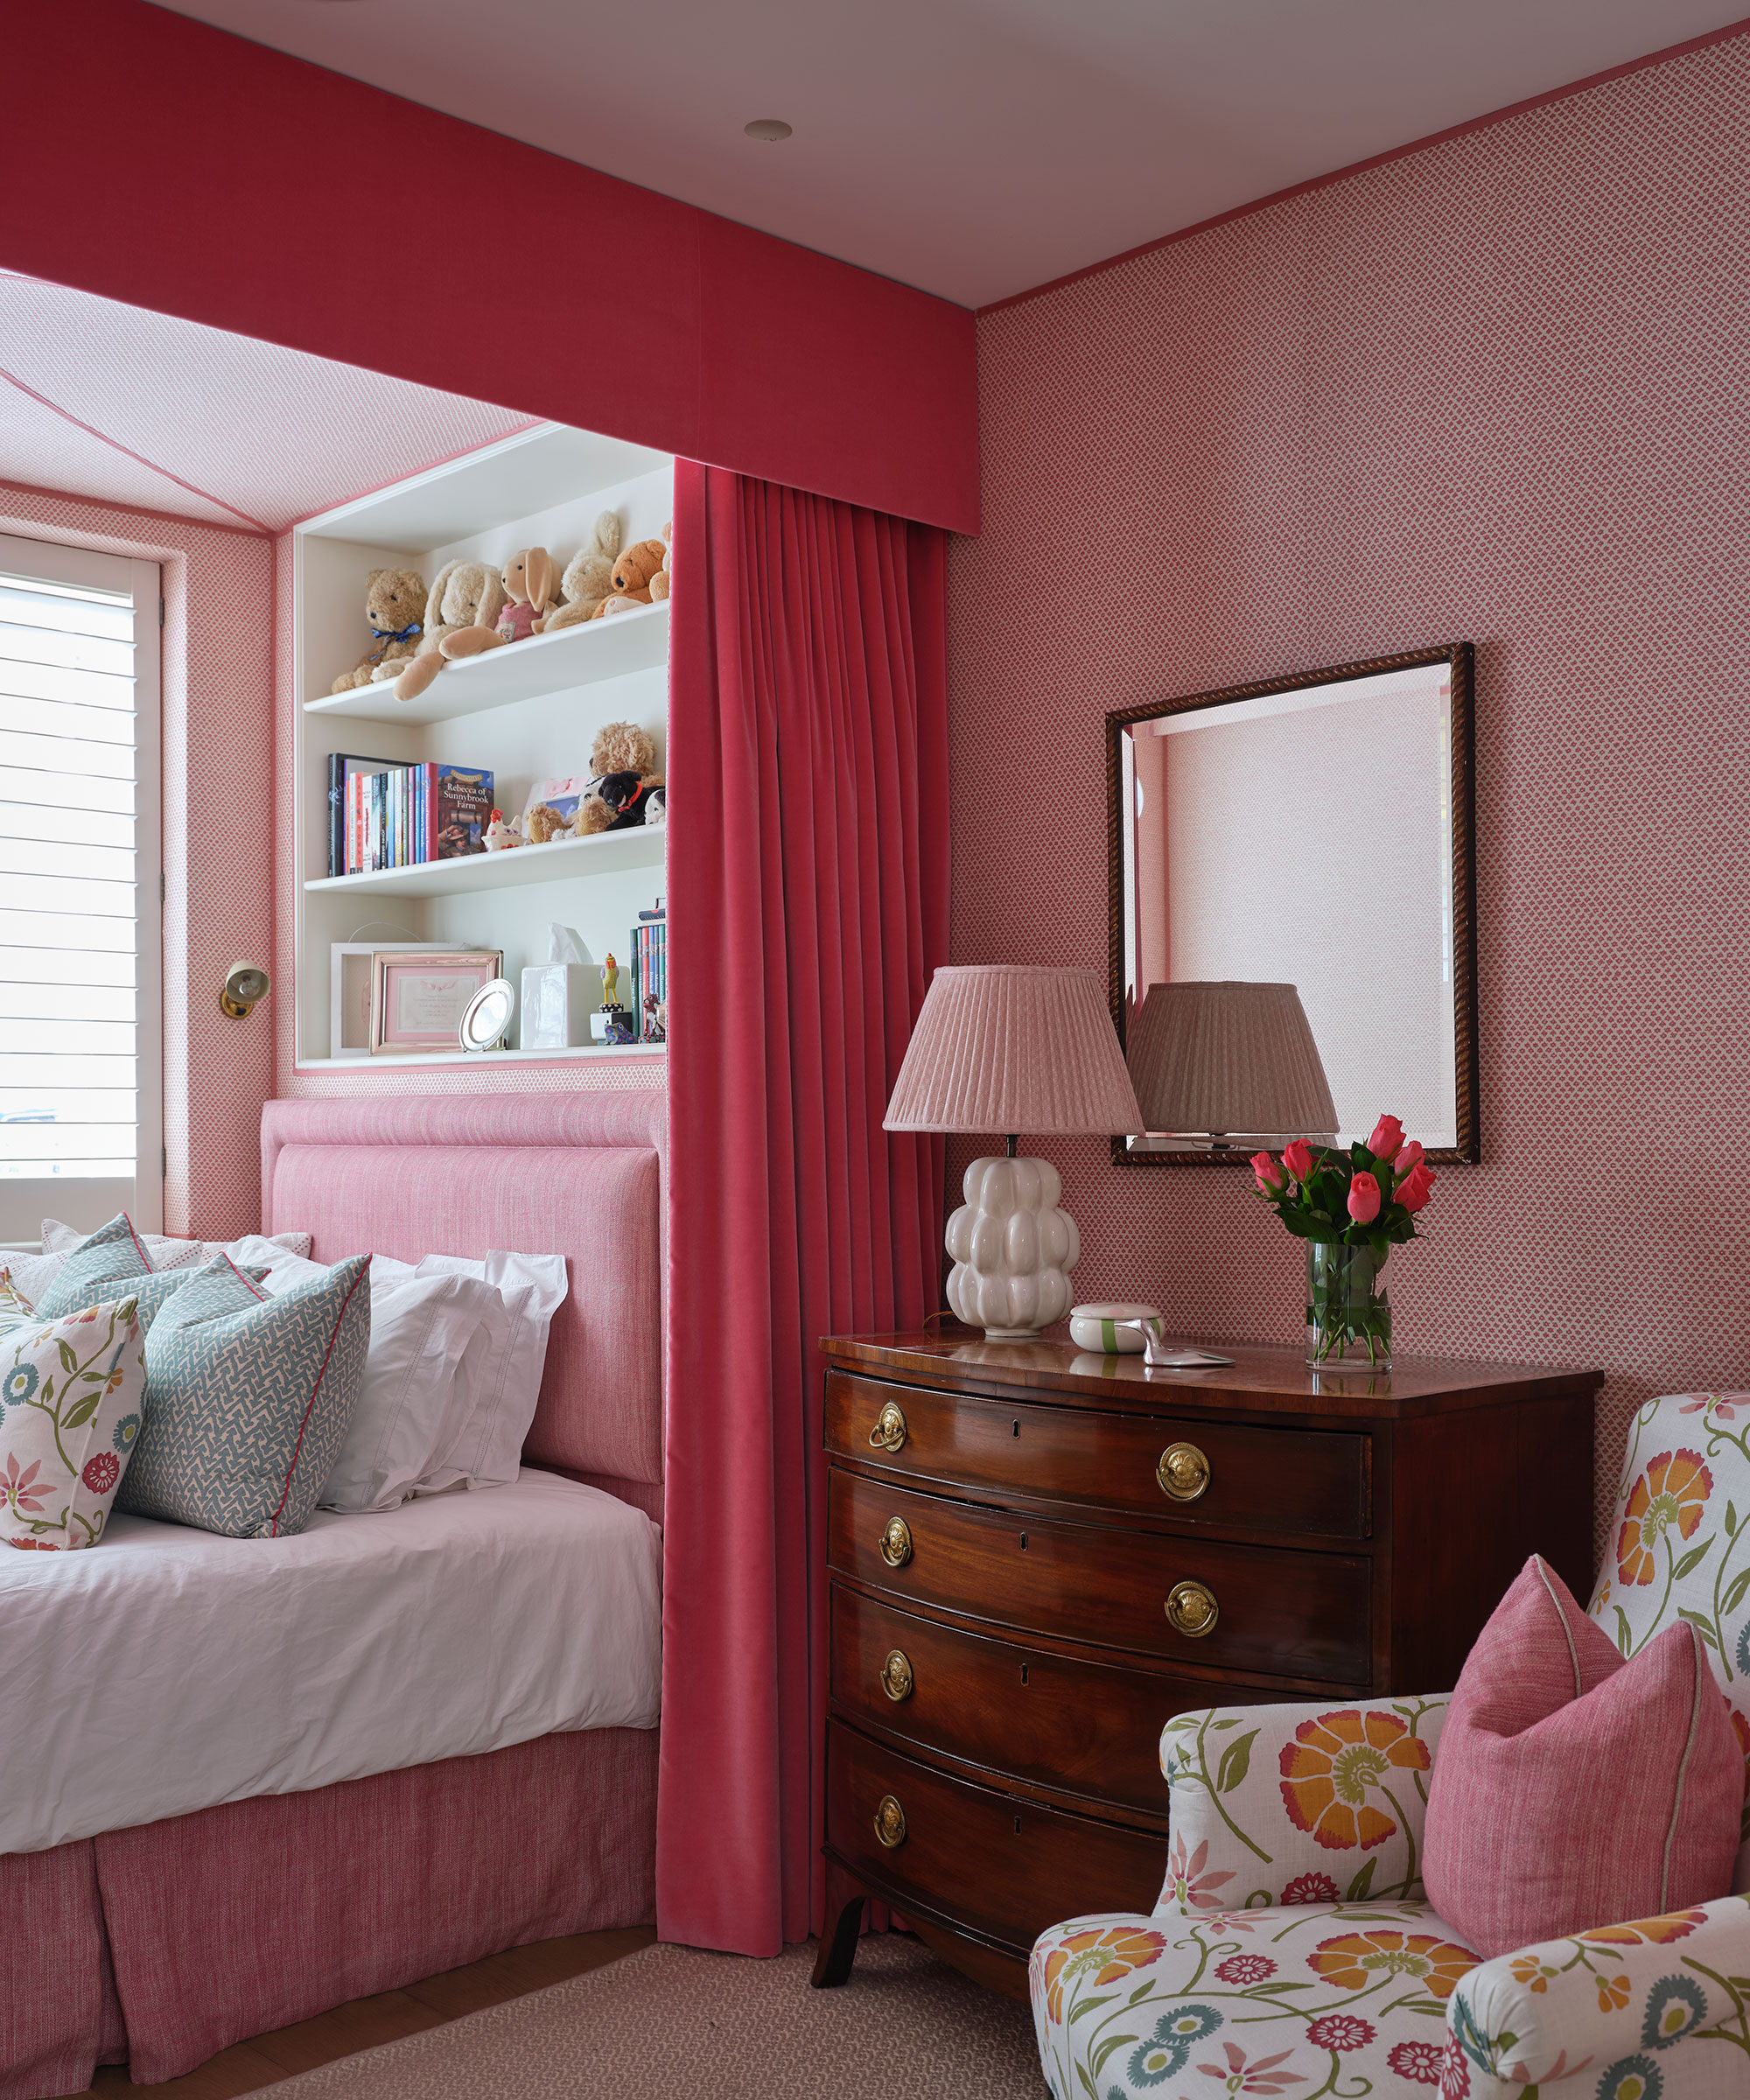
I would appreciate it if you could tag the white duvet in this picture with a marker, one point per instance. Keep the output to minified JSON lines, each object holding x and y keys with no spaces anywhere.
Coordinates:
{"x":168,"y":1669}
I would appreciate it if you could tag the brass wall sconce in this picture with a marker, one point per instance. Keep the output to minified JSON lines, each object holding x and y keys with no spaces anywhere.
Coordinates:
{"x":245,"y":984}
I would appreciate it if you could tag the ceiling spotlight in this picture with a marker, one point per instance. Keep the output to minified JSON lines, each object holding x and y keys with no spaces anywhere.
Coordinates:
{"x":769,"y":130}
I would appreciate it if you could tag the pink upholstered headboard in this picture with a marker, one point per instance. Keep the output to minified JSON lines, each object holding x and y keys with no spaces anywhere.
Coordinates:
{"x":578,"y":1174}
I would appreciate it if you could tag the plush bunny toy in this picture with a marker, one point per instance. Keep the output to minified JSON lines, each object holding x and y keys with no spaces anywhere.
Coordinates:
{"x":465,"y":595}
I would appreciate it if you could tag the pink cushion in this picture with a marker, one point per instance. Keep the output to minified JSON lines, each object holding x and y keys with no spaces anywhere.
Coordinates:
{"x":1573,"y":1788}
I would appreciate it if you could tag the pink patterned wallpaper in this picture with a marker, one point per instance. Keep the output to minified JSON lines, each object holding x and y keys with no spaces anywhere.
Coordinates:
{"x":219,"y":838}
{"x":1496,"y":390}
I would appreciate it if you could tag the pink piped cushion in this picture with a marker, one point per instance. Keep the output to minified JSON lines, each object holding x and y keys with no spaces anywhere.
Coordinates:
{"x":1573,"y":1788}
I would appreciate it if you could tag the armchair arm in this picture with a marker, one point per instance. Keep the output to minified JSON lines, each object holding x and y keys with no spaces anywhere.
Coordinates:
{"x":1617,"y":2004}
{"x":1297,"y":1804}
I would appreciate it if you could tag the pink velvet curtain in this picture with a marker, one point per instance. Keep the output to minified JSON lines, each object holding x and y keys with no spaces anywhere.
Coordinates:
{"x":808,"y":881}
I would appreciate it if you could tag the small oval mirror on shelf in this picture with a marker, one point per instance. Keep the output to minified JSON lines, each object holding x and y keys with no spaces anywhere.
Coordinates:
{"x":1293,"y":910}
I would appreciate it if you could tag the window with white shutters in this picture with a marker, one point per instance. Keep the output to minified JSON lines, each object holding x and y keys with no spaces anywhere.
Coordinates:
{"x":80,"y":1113}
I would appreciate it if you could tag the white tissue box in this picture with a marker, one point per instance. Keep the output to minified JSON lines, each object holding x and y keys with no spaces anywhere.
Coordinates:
{"x":556,"y":1001}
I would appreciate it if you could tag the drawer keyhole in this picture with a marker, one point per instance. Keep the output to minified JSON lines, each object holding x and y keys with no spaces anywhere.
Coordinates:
{"x":1024,"y":1673}
{"x":1023,"y":1542}
{"x":1017,"y":1429}
{"x":1018,"y":1826}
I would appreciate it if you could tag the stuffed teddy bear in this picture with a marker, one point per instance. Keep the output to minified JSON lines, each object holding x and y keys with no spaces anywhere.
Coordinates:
{"x":623,"y":759}
{"x":465,"y":595}
{"x":589,"y":576}
{"x":659,"y":582}
{"x":395,"y":606}
{"x":632,"y":575}
{"x":544,"y":824}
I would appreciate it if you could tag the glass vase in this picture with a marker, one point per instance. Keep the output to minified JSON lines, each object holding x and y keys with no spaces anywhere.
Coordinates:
{"x":1349,"y":1316}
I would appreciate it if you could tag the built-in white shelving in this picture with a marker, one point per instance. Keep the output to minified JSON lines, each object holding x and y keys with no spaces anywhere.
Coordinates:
{"x":482,"y":1059}
{"x":641,"y":846}
{"x":527,"y":670}
{"x":529,"y":711}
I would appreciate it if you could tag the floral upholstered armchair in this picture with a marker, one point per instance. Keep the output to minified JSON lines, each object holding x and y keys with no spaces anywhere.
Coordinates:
{"x":1293,"y":1955}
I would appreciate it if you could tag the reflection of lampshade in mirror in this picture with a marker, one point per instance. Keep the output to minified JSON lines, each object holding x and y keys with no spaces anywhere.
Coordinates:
{"x":1012,"y":1047}
{"x":1223,"y":1058}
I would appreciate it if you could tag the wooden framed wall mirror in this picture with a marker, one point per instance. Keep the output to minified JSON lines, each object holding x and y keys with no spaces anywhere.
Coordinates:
{"x":1313,"y":832}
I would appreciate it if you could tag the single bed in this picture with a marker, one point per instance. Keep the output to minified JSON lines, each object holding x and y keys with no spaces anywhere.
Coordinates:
{"x":251,"y":1779}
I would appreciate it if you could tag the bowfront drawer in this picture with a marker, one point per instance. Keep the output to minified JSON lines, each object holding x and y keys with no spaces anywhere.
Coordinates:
{"x":1005,"y":1868}
{"x":1194,"y":1470}
{"x":1087,"y":1728}
{"x":1251,"y":1609}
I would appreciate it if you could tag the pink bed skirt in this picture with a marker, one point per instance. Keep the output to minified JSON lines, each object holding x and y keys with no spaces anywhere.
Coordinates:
{"x":163,"y":1944}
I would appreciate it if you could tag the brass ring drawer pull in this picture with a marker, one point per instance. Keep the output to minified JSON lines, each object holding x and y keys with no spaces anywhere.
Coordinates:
{"x":896,"y":1676}
{"x":1191,"y":1610}
{"x":890,"y":1823}
{"x":896,"y":1542}
{"x":889,"y":1432}
{"x":1183,"y":1473}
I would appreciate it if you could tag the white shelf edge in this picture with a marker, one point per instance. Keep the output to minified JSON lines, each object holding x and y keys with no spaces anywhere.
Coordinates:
{"x":448,"y":1059}
{"x":560,"y":861}
{"x":585,"y":654}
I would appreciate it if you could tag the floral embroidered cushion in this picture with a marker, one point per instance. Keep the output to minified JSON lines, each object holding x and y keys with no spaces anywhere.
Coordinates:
{"x":71,"y":1393}
{"x":1532,"y":1833}
{"x":16,"y":1310}
{"x":1680,"y":1547}
{"x":248,"y":1398}
{"x":1293,"y":2002}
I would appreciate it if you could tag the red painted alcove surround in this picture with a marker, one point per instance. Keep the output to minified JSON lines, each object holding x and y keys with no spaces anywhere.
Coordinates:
{"x":168,"y":165}
{"x":164,"y":163}
{"x":1493,"y":389}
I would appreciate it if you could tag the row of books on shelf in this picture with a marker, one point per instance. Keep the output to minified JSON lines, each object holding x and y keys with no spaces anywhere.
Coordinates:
{"x":384,"y":816}
{"x":650,"y":975}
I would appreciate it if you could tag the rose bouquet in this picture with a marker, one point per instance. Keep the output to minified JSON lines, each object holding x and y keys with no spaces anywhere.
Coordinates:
{"x":1351,"y":1208}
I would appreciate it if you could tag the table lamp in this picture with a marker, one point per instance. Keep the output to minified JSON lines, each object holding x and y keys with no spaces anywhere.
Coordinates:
{"x":1014,"y":1048}
{"x":1230,"y":1062}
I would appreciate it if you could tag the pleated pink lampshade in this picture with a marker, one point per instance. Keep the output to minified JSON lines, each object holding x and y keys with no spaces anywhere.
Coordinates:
{"x":1013,"y":1048}
{"x":1229,"y":1057}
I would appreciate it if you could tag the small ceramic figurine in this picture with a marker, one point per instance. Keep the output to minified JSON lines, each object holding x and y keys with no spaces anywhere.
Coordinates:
{"x":498,"y":835}
{"x":610,"y":983}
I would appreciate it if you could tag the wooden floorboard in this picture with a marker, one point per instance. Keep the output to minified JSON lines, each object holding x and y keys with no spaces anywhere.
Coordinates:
{"x":367,"y":2021}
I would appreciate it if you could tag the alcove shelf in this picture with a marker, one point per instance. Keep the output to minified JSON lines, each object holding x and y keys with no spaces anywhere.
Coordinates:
{"x":391,"y":1060}
{"x":557,"y":861}
{"x":529,"y":712}
{"x":530,"y":670}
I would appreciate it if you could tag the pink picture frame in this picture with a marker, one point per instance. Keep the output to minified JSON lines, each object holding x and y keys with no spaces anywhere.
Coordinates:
{"x":418,"y":998}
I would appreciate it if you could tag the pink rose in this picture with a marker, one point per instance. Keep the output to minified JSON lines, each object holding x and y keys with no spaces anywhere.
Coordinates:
{"x":1415,"y":1189}
{"x":1297,"y":1158}
{"x":1407,"y":1158}
{"x":1363,"y":1199}
{"x":1387,"y":1136}
{"x":1270,"y":1178}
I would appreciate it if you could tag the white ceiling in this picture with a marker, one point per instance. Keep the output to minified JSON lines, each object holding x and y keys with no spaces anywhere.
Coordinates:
{"x":100,"y":399}
{"x":973,"y":147}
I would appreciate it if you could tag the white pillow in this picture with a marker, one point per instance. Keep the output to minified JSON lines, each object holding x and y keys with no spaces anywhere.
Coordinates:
{"x":32,"y":1273}
{"x":502,"y":1369}
{"x":165,"y":1253}
{"x":413,"y":1405}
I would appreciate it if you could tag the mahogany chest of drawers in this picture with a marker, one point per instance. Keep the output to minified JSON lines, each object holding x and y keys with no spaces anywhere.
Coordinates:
{"x":1035,"y":1558}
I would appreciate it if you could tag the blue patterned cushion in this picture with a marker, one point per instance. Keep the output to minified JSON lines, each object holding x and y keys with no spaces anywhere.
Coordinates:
{"x":150,"y":1293}
{"x":113,"y":1254}
{"x":248,"y":1399}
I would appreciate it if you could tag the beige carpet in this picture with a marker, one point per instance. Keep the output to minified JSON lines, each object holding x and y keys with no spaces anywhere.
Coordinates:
{"x":673,"y":2023}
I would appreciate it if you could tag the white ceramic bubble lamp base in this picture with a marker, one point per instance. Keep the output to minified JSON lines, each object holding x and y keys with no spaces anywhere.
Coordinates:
{"x":1012,"y":1249}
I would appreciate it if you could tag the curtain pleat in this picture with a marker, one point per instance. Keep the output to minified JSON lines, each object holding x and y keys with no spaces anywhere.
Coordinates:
{"x":808,"y":883}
